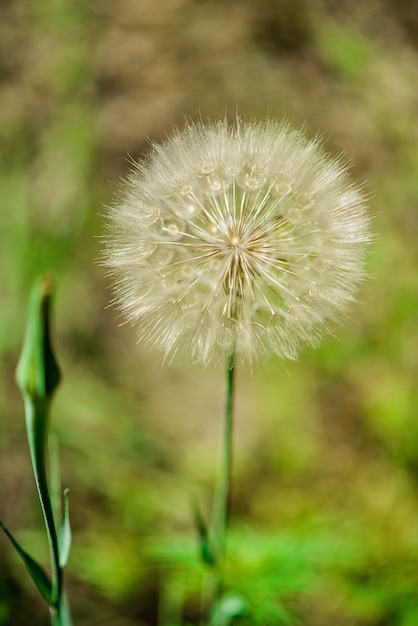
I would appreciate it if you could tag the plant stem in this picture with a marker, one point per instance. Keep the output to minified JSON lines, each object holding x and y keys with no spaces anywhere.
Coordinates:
{"x":38,"y":376}
{"x":223,"y":491}
{"x":61,"y":615}
{"x":37,"y":412}
{"x":224,"y":487}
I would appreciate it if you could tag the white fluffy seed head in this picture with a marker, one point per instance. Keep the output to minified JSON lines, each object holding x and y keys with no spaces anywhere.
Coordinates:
{"x":240,"y":239}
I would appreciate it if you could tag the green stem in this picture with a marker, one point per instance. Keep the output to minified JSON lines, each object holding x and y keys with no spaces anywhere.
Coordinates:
{"x":38,"y":375}
{"x":223,"y":492}
{"x":224,"y":487}
{"x":37,"y":413}
{"x":61,"y":615}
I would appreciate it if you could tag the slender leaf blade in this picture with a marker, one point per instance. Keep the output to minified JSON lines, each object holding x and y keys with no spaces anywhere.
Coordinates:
{"x":36,"y":571}
{"x":206,"y":552}
{"x":65,"y":535}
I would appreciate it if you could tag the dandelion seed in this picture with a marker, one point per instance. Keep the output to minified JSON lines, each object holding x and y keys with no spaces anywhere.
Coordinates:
{"x":241,"y":239}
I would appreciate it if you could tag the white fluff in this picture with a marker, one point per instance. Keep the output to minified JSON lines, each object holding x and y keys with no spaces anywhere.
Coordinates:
{"x":240,"y":239}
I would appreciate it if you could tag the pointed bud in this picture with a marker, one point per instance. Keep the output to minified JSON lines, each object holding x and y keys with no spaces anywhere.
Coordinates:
{"x":38,"y":373}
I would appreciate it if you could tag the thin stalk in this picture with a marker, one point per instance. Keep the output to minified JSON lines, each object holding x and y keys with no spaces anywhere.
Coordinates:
{"x":221,"y":506}
{"x":38,"y":376}
{"x":36,"y":412}
{"x":62,"y":616}
{"x":222,"y":502}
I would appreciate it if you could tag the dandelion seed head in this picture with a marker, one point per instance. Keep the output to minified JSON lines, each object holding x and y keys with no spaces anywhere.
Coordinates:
{"x":242,"y":239}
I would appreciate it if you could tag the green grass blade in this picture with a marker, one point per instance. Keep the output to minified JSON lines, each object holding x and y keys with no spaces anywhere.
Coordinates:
{"x":206,"y":552}
{"x":64,"y":535}
{"x":36,"y":571}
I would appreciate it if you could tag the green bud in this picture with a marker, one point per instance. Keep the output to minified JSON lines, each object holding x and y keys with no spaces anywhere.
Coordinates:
{"x":38,"y":373}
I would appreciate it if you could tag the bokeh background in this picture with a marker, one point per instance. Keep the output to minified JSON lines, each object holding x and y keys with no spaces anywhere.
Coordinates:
{"x":325,"y":505}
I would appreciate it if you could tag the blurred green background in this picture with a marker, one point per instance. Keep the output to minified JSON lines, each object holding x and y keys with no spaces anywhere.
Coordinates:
{"x":325,"y":505}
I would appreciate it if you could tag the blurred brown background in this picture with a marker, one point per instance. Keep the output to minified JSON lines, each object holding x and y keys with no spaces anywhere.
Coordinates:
{"x":325,"y":503}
